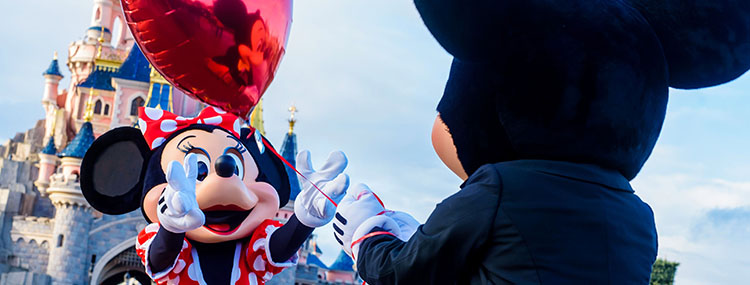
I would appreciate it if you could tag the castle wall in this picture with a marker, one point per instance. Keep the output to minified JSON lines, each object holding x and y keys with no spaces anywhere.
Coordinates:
{"x":109,"y":231}
{"x":69,"y":261}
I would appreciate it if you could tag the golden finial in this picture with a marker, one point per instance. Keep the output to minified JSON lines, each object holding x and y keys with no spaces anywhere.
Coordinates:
{"x":55,"y":56}
{"x":292,"y":120}
{"x":101,"y":43}
{"x":89,"y":112}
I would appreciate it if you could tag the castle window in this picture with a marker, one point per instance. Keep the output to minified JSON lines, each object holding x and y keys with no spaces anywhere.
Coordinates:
{"x":135,"y":104}
{"x":59,"y":240}
{"x":106,"y":109}
{"x":98,"y":107}
{"x":98,"y":15}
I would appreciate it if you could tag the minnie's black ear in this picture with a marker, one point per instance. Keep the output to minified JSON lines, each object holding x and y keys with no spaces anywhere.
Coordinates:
{"x":270,"y":167}
{"x":706,"y":42}
{"x":112,"y":171}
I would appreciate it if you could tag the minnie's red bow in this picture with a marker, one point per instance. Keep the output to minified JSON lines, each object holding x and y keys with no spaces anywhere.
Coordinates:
{"x":156,"y":124}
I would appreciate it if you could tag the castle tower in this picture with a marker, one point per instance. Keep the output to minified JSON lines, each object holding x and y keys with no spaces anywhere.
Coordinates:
{"x":47,"y":163}
{"x":68,"y":259}
{"x":52,"y":77}
{"x":104,"y":15}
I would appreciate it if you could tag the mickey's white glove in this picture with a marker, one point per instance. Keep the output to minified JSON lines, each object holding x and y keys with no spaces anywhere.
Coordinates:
{"x":178,"y":209}
{"x":406,"y":224}
{"x":361,"y":212}
{"x":311,"y":207}
{"x":360,"y":205}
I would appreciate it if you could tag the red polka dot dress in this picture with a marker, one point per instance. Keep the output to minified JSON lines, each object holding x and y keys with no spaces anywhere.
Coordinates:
{"x":252,"y":261}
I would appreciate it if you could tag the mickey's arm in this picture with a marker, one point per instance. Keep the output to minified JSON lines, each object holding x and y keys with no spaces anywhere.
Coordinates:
{"x":312,"y":208}
{"x":451,"y":240}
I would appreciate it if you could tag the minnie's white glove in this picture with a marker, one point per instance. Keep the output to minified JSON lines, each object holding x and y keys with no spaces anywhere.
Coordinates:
{"x":178,"y":209}
{"x":311,"y":207}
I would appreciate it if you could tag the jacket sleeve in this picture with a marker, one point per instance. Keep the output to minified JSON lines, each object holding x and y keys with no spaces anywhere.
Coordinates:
{"x":446,"y":249}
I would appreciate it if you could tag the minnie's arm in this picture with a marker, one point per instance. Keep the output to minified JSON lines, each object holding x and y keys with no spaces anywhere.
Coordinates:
{"x":287,"y":239}
{"x":164,"y":249}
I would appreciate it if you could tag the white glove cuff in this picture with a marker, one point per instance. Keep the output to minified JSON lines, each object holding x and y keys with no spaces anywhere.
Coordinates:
{"x":366,"y":227}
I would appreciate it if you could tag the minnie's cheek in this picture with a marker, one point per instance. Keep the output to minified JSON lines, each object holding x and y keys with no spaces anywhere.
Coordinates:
{"x":265,"y":192}
{"x":151,"y":202}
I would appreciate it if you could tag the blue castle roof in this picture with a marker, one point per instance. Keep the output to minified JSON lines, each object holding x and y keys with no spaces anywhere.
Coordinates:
{"x":314,"y":260}
{"x":80,"y":143}
{"x":99,"y":28}
{"x":343,"y":263}
{"x":100,"y":79}
{"x":53,"y":69}
{"x":135,"y":67}
{"x":50,"y":147}
{"x":289,"y":152}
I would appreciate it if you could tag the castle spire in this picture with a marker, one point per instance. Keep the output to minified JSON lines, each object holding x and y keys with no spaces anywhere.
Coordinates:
{"x":292,"y":120}
{"x":53,"y":69}
{"x":289,"y":152}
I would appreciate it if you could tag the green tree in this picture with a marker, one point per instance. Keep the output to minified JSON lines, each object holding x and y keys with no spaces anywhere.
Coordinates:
{"x":663,"y":272}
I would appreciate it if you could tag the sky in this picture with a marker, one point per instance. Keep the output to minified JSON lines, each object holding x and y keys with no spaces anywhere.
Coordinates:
{"x":366,"y":77}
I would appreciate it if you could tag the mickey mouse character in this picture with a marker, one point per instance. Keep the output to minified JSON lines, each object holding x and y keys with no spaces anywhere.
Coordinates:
{"x":551,"y":108}
{"x":209,"y":188}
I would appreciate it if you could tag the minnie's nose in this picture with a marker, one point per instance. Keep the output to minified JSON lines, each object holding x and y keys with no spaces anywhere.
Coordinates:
{"x":225,"y":166}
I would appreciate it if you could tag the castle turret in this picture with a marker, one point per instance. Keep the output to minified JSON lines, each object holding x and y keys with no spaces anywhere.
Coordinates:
{"x":52,"y":77}
{"x":47,"y":165}
{"x":68,"y":259}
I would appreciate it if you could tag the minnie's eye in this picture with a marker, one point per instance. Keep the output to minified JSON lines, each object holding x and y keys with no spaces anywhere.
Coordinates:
{"x":203,"y":163}
{"x":202,"y":170}
{"x":239,"y":167}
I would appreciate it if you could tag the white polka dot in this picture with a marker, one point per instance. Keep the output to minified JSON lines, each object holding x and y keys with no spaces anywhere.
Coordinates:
{"x":180,"y":118}
{"x":193,"y":272}
{"x":213,"y":120}
{"x":237,"y":125}
{"x":268,"y":276}
{"x":142,"y":125}
{"x":200,"y":121}
{"x":252,"y":279}
{"x":259,"y":243}
{"x":179,"y":266}
{"x":153,"y":113}
{"x":175,"y":281}
{"x":157,"y":142}
{"x":259,"y":263}
{"x":220,"y":111}
{"x":168,"y":126}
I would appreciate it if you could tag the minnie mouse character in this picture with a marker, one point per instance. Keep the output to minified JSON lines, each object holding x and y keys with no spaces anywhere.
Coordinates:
{"x":209,"y":188}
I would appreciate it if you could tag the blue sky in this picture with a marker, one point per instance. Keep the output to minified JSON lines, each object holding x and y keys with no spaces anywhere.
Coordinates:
{"x":366,"y":77}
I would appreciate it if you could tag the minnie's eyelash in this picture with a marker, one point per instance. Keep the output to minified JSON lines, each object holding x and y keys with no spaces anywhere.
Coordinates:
{"x":187,"y":147}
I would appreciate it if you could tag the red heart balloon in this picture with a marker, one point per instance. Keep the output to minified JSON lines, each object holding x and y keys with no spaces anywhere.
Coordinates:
{"x":222,"y":52}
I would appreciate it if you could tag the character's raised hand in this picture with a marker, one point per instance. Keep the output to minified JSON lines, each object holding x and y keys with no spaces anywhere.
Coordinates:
{"x":353,"y":210}
{"x":178,"y":210}
{"x":312,"y":208}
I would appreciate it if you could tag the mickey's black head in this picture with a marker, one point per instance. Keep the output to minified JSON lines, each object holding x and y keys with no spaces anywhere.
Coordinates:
{"x":240,"y":182}
{"x":583,"y":81}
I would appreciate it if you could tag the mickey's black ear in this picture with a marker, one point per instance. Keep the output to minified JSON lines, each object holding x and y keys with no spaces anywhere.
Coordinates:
{"x":706,"y":43}
{"x":112,"y":171}
{"x":270,"y":167}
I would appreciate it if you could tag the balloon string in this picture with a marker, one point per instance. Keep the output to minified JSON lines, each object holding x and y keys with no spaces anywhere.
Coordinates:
{"x":268,"y":146}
